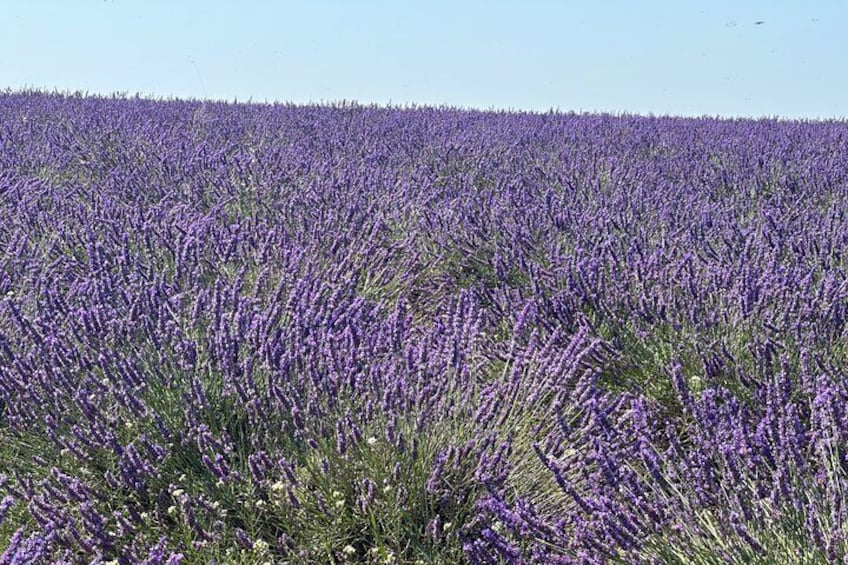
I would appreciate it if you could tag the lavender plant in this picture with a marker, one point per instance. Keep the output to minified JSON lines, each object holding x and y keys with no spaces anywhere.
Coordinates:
{"x":246,"y":333}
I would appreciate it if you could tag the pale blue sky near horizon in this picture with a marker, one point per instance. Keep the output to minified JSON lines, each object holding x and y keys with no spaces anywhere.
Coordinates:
{"x":727,"y":58}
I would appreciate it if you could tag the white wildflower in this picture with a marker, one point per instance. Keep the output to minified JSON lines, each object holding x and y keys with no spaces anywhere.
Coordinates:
{"x":260,"y":546}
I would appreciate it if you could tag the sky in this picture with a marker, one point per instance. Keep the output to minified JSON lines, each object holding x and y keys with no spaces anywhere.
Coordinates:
{"x":753,"y":58}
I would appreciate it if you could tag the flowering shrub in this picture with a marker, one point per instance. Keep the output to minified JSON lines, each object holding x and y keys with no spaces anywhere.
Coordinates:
{"x":344,"y":334}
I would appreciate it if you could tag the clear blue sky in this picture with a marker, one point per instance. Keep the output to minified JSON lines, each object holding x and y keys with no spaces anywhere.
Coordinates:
{"x":665,"y":57}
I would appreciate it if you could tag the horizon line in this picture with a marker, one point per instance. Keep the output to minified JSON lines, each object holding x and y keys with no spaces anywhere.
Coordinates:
{"x":406,"y":105}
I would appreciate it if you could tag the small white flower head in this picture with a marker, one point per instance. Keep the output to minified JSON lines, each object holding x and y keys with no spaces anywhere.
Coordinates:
{"x":279,"y":486}
{"x":371,"y":440}
{"x":172,"y":510}
{"x":348,"y":550}
{"x":260,"y":503}
{"x":261,"y":546}
{"x":178,"y":492}
{"x":337,"y":494}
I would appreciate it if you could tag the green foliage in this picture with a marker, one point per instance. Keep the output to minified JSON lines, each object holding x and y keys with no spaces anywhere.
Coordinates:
{"x":703,"y":542}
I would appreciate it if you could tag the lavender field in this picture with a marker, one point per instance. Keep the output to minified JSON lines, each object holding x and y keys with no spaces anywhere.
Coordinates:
{"x":244,"y":333}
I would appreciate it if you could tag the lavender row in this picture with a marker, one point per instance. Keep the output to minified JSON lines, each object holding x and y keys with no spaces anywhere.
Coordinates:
{"x":274,"y":333}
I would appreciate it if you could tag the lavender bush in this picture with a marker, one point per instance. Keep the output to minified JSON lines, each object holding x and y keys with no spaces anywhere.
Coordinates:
{"x":244,"y":333}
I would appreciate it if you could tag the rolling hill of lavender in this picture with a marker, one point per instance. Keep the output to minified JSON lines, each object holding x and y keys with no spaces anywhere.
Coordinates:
{"x":249,"y":334}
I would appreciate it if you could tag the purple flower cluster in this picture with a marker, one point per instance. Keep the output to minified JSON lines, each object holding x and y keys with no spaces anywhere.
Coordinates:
{"x":343,"y":333}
